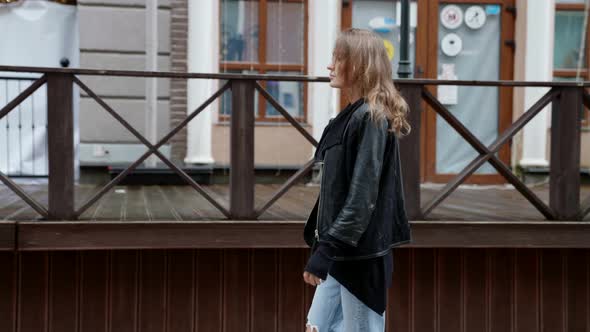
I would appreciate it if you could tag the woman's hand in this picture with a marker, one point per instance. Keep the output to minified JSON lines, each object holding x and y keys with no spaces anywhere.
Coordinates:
{"x":311,"y":279}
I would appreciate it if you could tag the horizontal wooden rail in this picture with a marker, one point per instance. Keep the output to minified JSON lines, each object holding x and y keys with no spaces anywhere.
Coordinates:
{"x":36,"y":236}
{"x":286,"y":78}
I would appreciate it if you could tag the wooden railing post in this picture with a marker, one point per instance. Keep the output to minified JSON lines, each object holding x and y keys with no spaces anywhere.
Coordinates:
{"x":60,"y":136}
{"x":242,"y":150}
{"x":410,"y":151}
{"x":564,"y":197}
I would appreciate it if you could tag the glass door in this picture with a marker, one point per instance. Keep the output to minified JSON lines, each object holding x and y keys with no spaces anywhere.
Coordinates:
{"x":472,"y":43}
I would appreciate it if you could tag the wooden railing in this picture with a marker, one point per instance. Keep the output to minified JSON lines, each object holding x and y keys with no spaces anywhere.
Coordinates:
{"x":568,"y":101}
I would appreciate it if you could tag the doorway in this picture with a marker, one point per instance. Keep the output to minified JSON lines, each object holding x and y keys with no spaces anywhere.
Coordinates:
{"x":465,"y":40}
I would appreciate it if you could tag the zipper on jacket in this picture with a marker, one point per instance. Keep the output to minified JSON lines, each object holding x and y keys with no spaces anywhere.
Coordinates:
{"x":317,"y":222}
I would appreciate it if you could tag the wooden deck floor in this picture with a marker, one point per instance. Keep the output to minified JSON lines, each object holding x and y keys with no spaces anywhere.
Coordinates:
{"x":182,"y":203}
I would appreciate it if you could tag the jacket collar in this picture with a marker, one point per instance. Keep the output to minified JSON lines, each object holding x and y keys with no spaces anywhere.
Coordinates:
{"x":334,"y":131}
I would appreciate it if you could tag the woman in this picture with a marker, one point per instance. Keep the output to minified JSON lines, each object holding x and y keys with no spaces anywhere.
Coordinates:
{"x":360,"y":214}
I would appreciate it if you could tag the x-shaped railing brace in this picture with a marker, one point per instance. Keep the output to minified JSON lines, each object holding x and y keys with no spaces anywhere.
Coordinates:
{"x":151,"y":149}
{"x":488,"y":153}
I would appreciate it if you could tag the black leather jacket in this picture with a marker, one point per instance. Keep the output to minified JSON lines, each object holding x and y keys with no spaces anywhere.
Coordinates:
{"x":361,"y":201}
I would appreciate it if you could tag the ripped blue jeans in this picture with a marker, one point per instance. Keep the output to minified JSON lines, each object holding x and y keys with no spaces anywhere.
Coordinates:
{"x":335,"y":309}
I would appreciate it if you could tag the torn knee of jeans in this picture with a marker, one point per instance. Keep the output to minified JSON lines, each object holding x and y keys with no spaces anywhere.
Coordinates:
{"x":311,"y":328}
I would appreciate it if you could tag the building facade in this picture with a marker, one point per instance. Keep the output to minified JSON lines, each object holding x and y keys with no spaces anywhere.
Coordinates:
{"x":466,"y":40}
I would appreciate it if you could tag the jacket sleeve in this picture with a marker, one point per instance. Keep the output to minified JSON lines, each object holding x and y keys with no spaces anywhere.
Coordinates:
{"x":353,"y":219}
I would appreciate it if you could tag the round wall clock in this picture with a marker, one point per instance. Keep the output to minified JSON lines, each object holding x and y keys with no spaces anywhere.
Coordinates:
{"x":475,"y":17}
{"x":451,"y":44}
{"x":451,"y":17}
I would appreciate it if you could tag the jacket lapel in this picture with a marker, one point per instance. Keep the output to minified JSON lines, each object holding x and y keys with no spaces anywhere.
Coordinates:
{"x":334,"y":132}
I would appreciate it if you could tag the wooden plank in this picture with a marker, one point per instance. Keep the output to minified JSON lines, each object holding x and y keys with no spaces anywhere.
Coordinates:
{"x":553,"y":290}
{"x":399,"y":302}
{"x":94,"y":292}
{"x":264,"y":290}
{"x":63,"y":285}
{"x":527,"y":291}
{"x":291,"y":286}
{"x":7,"y":235}
{"x":183,"y":204}
{"x":8,"y":291}
{"x":511,"y":234}
{"x":236,"y":290}
{"x":242,"y":150}
{"x":469,"y":204}
{"x":33,"y":292}
{"x":60,"y":141}
{"x":565,"y":154}
{"x":123,"y":290}
{"x":475,"y":290}
{"x":500,"y":295}
{"x":203,"y":208}
{"x":288,"y":234}
{"x":157,"y":205}
{"x":577,"y":283}
{"x":180,"y":294}
{"x":424,"y":294}
{"x":410,"y":155}
{"x":280,"y":210}
{"x":209,"y":307}
{"x":286,"y":186}
{"x":449,"y":290}
{"x":20,"y":210}
{"x":152,"y":291}
{"x":134,"y":206}
{"x":110,"y":207}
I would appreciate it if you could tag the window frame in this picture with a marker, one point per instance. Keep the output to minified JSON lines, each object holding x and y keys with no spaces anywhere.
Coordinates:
{"x":262,"y":67}
{"x":585,"y":72}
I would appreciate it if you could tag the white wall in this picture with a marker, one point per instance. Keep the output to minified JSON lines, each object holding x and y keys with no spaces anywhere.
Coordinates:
{"x":537,"y":50}
{"x":324,"y":26}
{"x":203,"y":57}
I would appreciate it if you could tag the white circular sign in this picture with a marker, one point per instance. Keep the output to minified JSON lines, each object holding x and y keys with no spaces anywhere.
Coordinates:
{"x":451,"y":17}
{"x":451,"y":44}
{"x":475,"y":17}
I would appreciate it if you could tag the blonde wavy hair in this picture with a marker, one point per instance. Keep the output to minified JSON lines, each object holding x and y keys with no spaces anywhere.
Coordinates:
{"x":364,"y":59}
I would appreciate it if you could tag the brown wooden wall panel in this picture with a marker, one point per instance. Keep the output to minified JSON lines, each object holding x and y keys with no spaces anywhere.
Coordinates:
{"x":33,"y":291}
{"x":399,"y":300}
{"x":449,"y":292}
{"x":501,"y":292}
{"x":152,"y":291}
{"x":526,"y":279}
{"x":475,"y":289}
{"x":291,"y":311}
{"x":209,"y":281}
{"x":578,"y":290}
{"x":94,"y":291}
{"x":553,"y":291}
{"x":424,"y":293}
{"x":236,"y":290}
{"x":264,"y":281}
{"x":251,"y":290}
{"x":181,"y":291}
{"x":64,"y":291}
{"x":124,"y":291}
{"x":8,"y":287}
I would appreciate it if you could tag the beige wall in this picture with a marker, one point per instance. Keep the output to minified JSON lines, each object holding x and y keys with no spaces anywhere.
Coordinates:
{"x":112,"y":36}
{"x":518,"y":93}
{"x":518,"y":97}
{"x":273,"y":146}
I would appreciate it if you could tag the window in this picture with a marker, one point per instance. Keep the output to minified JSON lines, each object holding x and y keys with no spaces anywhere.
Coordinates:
{"x":567,"y":55}
{"x":266,"y":37}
